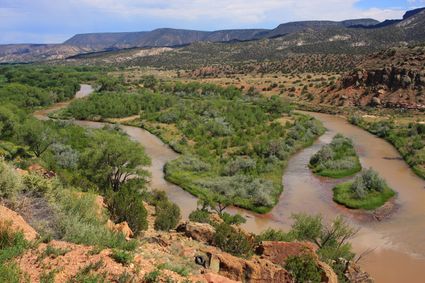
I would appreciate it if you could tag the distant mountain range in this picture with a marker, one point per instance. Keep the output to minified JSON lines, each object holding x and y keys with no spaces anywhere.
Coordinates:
{"x":357,"y":32}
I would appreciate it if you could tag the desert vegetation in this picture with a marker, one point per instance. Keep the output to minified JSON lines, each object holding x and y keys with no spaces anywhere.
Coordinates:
{"x":368,"y":191}
{"x":337,"y":159}
{"x":232,"y":146}
{"x":408,"y":138}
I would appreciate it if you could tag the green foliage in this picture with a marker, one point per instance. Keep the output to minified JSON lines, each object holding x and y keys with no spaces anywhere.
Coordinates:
{"x":10,"y":181}
{"x":236,"y":219}
{"x":80,"y":222}
{"x":303,"y":268}
{"x":179,"y":269}
{"x":407,"y":138}
{"x":52,"y":252}
{"x":229,"y":143}
{"x":123,"y":257}
{"x":367,"y":191}
{"x":232,"y":241}
{"x":112,"y":158}
{"x":152,"y":277}
{"x":36,"y":135}
{"x":200,"y":216}
{"x":88,"y":274}
{"x":274,"y":235}
{"x":336,"y":160}
{"x":12,"y":244}
{"x":331,"y":238}
{"x":127,"y":205}
{"x":167,"y":216}
{"x":10,"y":273}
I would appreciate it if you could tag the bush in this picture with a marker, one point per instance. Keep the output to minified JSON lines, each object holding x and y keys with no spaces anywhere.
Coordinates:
{"x":81,"y":223}
{"x":127,"y":205}
{"x":122,"y":257}
{"x":200,"y":216}
{"x":232,"y":241}
{"x":12,"y":244}
{"x":304,"y":268}
{"x":274,"y":235}
{"x":167,"y":216}
{"x":10,"y":181}
{"x":236,"y":219}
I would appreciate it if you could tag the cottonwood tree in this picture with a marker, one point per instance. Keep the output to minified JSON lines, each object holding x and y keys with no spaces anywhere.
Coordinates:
{"x":37,"y":135}
{"x":113,"y":159}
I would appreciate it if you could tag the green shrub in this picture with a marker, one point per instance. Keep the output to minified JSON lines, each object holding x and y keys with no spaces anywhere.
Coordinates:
{"x":127,"y":205}
{"x":80,"y":222}
{"x":12,"y":244}
{"x":232,"y":241}
{"x":87,"y":274}
{"x":303,"y":268}
{"x":152,"y":277}
{"x":179,"y":269}
{"x":10,"y":273}
{"x":10,"y":181}
{"x":167,"y":216}
{"x":274,"y":235}
{"x":236,"y":219}
{"x":337,"y":159}
{"x":200,"y":216}
{"x":123,"y":257}
{"x":367,"y":191}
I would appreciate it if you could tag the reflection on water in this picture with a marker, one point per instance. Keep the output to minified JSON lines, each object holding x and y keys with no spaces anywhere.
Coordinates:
{"x":398,"y":243}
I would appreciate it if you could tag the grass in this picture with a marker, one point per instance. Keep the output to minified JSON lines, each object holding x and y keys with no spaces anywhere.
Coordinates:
{"x":52,"y":252}
{"x":343,"y":195}
{"x":87,"y":275}
{"x":122,"y":257}
{"x":337,"y":174}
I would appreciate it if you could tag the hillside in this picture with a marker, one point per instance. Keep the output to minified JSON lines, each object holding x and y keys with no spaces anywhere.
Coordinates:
{"x":390,"y":78}
{"x":357,"y":36}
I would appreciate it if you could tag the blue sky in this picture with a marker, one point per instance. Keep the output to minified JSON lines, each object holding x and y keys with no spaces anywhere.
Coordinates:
{"x":47,"y":21}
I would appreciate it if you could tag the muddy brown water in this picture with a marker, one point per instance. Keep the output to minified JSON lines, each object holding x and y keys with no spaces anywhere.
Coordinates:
{"x":397,"y":243}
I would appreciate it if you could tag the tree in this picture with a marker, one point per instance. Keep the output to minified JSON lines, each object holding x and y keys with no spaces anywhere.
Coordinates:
{"x":112,"y":159}
{"x":167,"y":216}
{"x":127,"y":205}
{"x":37,"y":135}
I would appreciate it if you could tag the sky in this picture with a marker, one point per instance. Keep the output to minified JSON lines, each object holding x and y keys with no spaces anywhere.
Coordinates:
{"x":54,"y":21}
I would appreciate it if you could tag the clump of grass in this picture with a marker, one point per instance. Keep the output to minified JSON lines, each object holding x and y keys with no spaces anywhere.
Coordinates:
{"x":87,"y":274}
{"x":153,"y":276}
{"x":81,"y":223}
{"x":177,"y":268}
{"x":12,"y":244}
{"x":122,"y":257}
{"x":52,"y":252}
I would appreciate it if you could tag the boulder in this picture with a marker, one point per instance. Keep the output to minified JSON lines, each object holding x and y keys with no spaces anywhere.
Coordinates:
{"x":278,"y":252}
{"x":215,"y":278}
{"x":256,"y":270}
{"x":120,"y":228}
{"x":201,"y":232}
{"x":17,"y":223}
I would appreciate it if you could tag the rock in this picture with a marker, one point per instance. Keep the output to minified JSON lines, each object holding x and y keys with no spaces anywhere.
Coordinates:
{"x":215,"y":218}
{"x":121,"y":227}
{"x":215,"y":278}
{"x":255,"y":270}
{"x":278,"y":252}
{"x":201,"y":232}
{"x":329,"y":275}
{"x":17,"y":223}
{"x":40,"y":170}
{"x":376,"y":101}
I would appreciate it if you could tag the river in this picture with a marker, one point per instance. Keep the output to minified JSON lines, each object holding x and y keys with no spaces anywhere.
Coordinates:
{"x":397,"y":243}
